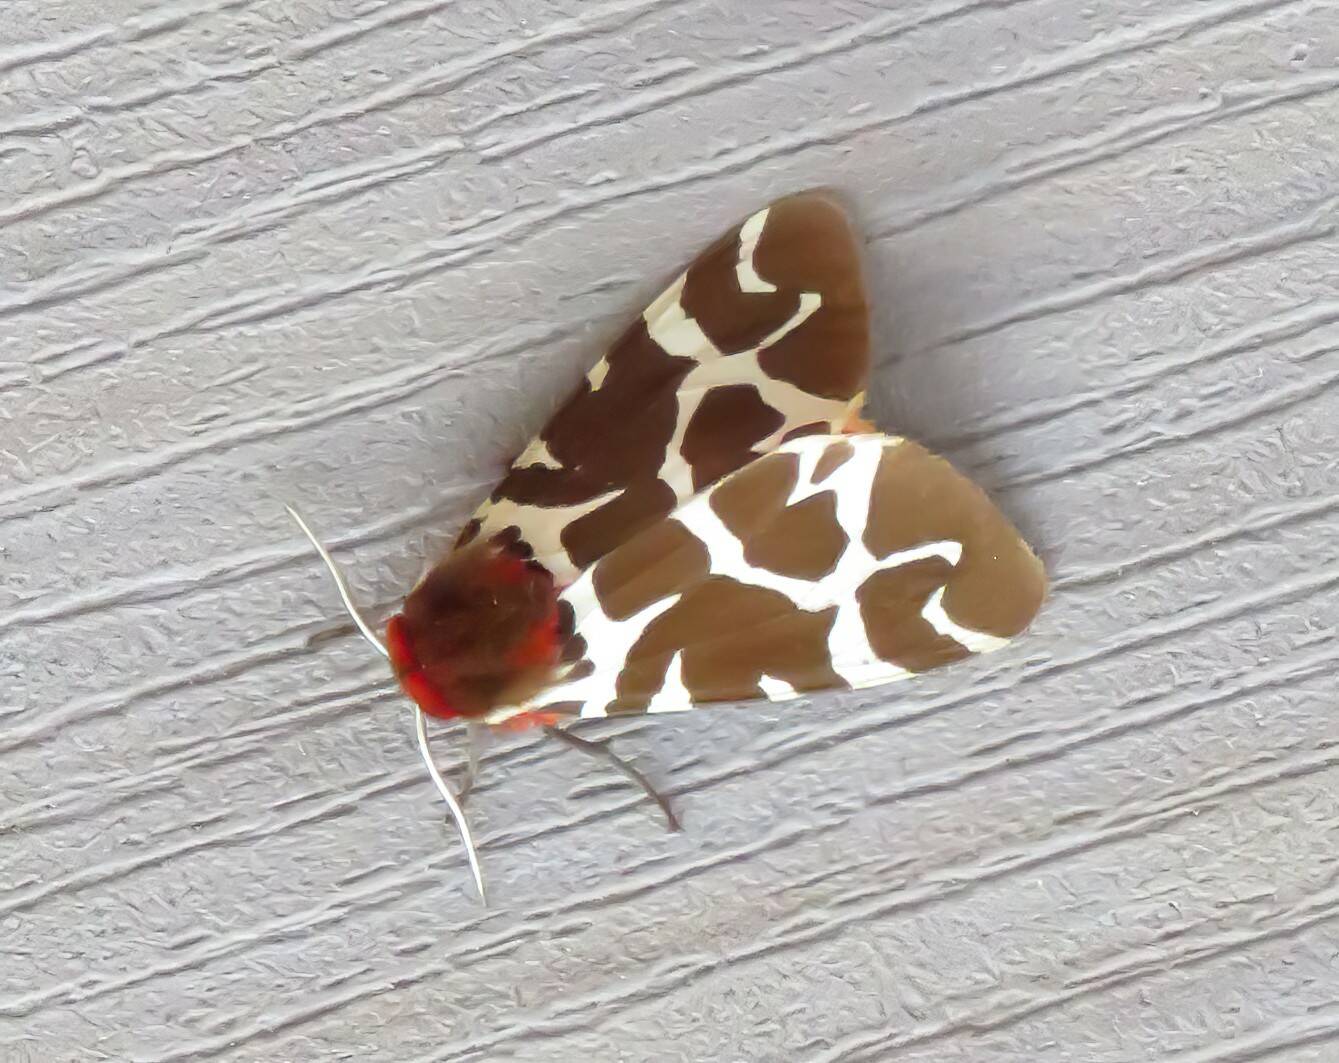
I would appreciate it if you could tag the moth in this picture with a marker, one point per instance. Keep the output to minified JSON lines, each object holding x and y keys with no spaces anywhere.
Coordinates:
{"x":708,"y":518}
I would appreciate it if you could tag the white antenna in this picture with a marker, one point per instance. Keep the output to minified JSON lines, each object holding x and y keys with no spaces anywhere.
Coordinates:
{"x":420,"y":718}
{"x":342,"y":587}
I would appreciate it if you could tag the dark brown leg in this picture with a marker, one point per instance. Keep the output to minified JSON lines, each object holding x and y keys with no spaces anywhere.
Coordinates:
{"x":475,"y":735}
{"x":601,"y":749}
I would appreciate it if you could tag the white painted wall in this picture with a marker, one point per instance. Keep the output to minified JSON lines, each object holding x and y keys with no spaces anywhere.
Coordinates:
{"x":350,"y":252}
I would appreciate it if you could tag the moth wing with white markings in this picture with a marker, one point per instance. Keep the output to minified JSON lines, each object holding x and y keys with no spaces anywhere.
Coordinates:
{"x":701,"y":521}
{"x":836,"y":561}
{"x":763,"y":337}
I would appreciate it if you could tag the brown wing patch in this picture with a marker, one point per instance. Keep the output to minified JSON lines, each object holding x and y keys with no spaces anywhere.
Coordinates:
{"x":803,"y":541}
{"x":607,"y":437}
{"x":730,"y":635}
{"x":573,"y":649}
{"x":832,"y":459}
{"x":891,"y":603}
{"x":750,"y":498}
{"x":998,"y":585}
{"x":642,"y":502}
{"x":579,"y":670}
{"x":808,"y":246}
{"x":728,"y":422}
{"x":733,"y":320}
{"x":659,"y":562}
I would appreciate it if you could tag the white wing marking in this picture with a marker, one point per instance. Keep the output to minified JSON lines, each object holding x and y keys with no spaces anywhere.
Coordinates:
{"x":674,"y":470}
{"x":677,"y":333}
{"x":537,"y":453}
{"x":545,"y":537}
{"x":745,"y":270}
{"x":672,"y":326}
{"x":852,"y":483}
{"x":608,"y":643}
{"x":776,"y":689}
{"x":672,"y":696}
{"x":975,"y":641}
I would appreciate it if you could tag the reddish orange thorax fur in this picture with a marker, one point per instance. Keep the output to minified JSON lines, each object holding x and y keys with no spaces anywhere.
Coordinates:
{"x":481,"y":630}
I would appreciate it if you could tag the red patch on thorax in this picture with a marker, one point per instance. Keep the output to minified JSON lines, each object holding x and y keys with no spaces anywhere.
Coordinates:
{"x":412,"y":679}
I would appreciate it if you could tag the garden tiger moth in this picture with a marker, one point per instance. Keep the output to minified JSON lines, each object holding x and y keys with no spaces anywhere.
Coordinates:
{"x":708,"y":518}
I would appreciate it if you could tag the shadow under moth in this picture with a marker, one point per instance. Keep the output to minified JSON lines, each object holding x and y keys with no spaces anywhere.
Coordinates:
{"x":709,"y":519}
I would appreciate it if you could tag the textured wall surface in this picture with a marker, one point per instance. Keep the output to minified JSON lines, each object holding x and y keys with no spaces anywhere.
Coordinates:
{"x":350,"y":253}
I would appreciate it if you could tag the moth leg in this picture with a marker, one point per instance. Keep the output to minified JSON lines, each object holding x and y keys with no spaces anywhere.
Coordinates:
{"x":475,"y":736}
{"x":329,"y":634}
{"x":338,"y":631}
{"x":601,"y":749}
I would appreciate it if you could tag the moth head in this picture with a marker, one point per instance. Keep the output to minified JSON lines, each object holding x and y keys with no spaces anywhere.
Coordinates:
{"x":480,"y":630}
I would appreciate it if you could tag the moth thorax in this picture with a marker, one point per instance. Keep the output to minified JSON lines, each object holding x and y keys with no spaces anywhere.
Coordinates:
{"x":481,"y":630}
